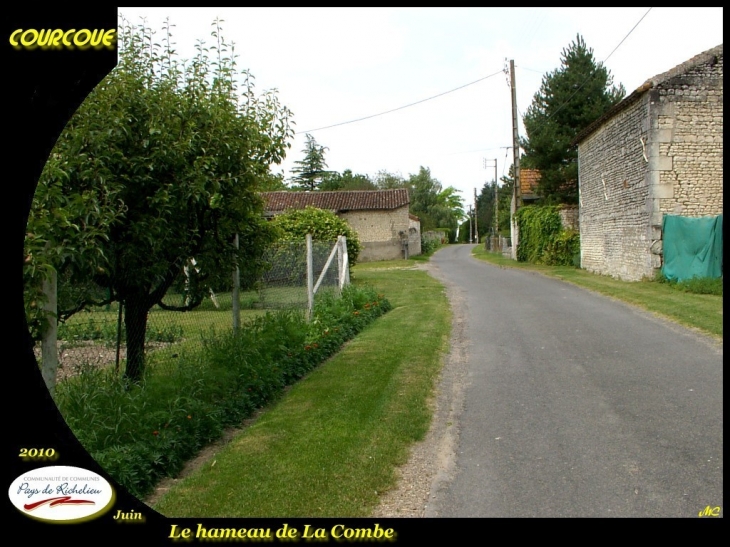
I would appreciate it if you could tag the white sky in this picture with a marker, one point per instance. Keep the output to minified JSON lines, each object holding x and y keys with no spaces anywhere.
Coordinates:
{"x":333,"y":65}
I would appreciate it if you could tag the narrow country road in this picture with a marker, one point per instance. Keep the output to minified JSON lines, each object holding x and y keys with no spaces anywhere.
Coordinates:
{"x":575,"y":405}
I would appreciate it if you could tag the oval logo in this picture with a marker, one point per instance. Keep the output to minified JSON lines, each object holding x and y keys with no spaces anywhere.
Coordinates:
{"x":61,"y":494}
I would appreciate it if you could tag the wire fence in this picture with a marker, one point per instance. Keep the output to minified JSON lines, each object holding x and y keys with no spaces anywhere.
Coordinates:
{"x":108,"y":335}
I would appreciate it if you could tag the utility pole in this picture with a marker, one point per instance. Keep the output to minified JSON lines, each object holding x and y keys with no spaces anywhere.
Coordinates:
{"x":515,"y":137}
{"x":476,"y":211}
{"x":471,"y":235}
{"x":516,"y":191}
{"x":496,"y":199}
{"x":496,"y":193}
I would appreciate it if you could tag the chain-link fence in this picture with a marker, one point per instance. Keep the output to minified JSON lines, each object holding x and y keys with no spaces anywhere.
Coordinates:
{"x":284,"y":283}
{"x":115,"y":334}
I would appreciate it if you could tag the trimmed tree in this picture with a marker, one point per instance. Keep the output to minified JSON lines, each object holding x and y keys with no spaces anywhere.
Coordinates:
{"x":295,"y":224}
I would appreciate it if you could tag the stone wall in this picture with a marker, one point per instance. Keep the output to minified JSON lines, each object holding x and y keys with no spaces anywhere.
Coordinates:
{"x":414,"y":237}
{"x":569,"y":217}
{"x":661,"y":154}
{"x":613,"y":185}
{"x":690,"y":127}
{"x":380,"y":232}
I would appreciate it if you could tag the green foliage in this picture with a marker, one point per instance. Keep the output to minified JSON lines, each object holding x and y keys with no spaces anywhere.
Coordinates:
{"x":485,"y":206}
{"x":437,"y":207}
{"x":309,"y":172}
{"x":429,"y":245}
{"x":464,"y":232}
{"x":106,"y":331}
{"x":570,"y":98}
{"x":162,"y":163}
{"x":542,"y":239}
{"x":696,"y":285}
{"x":295,"y":224}
{"x":345,"y":182}
{"x":140,"y":434}
{"x":387,"y":181}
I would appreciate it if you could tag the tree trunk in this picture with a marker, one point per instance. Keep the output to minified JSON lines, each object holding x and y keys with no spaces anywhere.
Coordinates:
{"x":135,"y":323}
{"x":49,"y":348}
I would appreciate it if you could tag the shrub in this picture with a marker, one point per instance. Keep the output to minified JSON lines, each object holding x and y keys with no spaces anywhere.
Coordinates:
{"x":295,"y":224}
{"x":141,"y":433}
{"x":542,"y":239}
{"x":429,"y":245}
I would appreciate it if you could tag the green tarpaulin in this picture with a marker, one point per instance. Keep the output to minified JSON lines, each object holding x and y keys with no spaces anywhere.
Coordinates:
{"x":692,"y":247}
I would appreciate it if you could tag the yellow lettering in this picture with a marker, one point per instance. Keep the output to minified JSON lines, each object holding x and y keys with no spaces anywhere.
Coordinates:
{"x":55,"y":37}
{"x":13,"y":41}
{"x":43,"y":37}
{"x":33,"y":32}
{"x":109,"y":38}
{"x":66,"y":39}
{"x":77,"y":38}
{"x":96,"y":37}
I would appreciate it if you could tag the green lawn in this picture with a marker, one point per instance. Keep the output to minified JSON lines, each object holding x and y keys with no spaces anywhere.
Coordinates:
{"x":333,"y":442}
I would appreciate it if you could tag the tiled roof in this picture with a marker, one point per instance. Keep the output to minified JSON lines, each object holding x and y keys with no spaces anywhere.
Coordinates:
{"x":528,"y":181}
{"x":710,"y":55}
{"x":337,"y":201}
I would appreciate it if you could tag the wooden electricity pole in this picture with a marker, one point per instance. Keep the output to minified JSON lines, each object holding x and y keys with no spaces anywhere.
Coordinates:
{"x":476,"y":210}
{"x":515,"y":137}
{"x":516,"y":191}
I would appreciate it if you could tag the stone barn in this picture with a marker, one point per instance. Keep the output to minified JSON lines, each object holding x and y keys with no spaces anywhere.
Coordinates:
{"x":380,"y":217}
{"x":658,"y":152}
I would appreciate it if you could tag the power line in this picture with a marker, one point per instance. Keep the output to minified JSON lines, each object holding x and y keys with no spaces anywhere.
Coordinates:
{"x":606,"y":59}
{"x":632,"y":30}
{"x":400,"y":107}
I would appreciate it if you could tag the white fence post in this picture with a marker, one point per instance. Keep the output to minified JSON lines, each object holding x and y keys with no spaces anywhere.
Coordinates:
{"x":310,"y":279}
{"x":344,"y":263}
{"x":49,"y":349}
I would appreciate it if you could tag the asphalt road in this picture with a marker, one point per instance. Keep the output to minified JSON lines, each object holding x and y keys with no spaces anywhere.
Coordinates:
{"x":575,"y":405}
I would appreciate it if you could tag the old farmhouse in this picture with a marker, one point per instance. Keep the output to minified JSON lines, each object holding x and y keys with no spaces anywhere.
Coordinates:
{"x":658,"y":152}
{"x":381,"y":219}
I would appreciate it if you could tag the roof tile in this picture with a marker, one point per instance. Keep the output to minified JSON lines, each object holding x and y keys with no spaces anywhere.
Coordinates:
{"x":337,"y":201}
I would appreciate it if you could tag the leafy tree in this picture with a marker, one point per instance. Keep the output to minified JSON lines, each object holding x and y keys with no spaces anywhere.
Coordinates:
{"x":437,"y":207}
{"x":295,"y":224}
{"x":272,"y":182}
{"x":485,"y":205}
{"x":310,"y":171}
{"x":569,"y":99}
{"x":347,"y":181}
{"x":163,"y":160}
{"x":387,"y":181}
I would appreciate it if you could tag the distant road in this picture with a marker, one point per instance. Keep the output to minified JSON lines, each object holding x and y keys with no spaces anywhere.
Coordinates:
{"x":575,"y":405}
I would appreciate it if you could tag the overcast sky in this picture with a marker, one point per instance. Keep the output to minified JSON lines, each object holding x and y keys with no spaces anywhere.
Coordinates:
{"x":334,"y":65}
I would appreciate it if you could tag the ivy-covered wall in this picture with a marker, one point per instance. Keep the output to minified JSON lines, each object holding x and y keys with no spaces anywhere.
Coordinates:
{"x":543,"y":240}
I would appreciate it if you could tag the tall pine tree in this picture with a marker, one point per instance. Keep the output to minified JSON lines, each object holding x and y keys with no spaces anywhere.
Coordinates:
{"x":309,"y":172}
{"x":570,"y":98}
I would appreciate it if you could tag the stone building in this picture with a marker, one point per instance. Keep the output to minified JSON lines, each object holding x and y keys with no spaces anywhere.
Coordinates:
{"x":657,"y":152}
{"x":380,"y":217}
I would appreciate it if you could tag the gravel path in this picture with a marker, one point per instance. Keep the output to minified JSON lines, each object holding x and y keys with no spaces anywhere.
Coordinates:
{"x":432,"y":461}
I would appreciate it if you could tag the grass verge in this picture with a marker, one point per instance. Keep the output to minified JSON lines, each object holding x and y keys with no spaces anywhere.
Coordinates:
{"x":699,"y":311}
{"x":332,"y":443}
{"x":143,"y":432}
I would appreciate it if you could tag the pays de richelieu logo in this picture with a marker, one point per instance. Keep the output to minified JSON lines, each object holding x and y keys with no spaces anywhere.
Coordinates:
{"x":61,"y":494}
